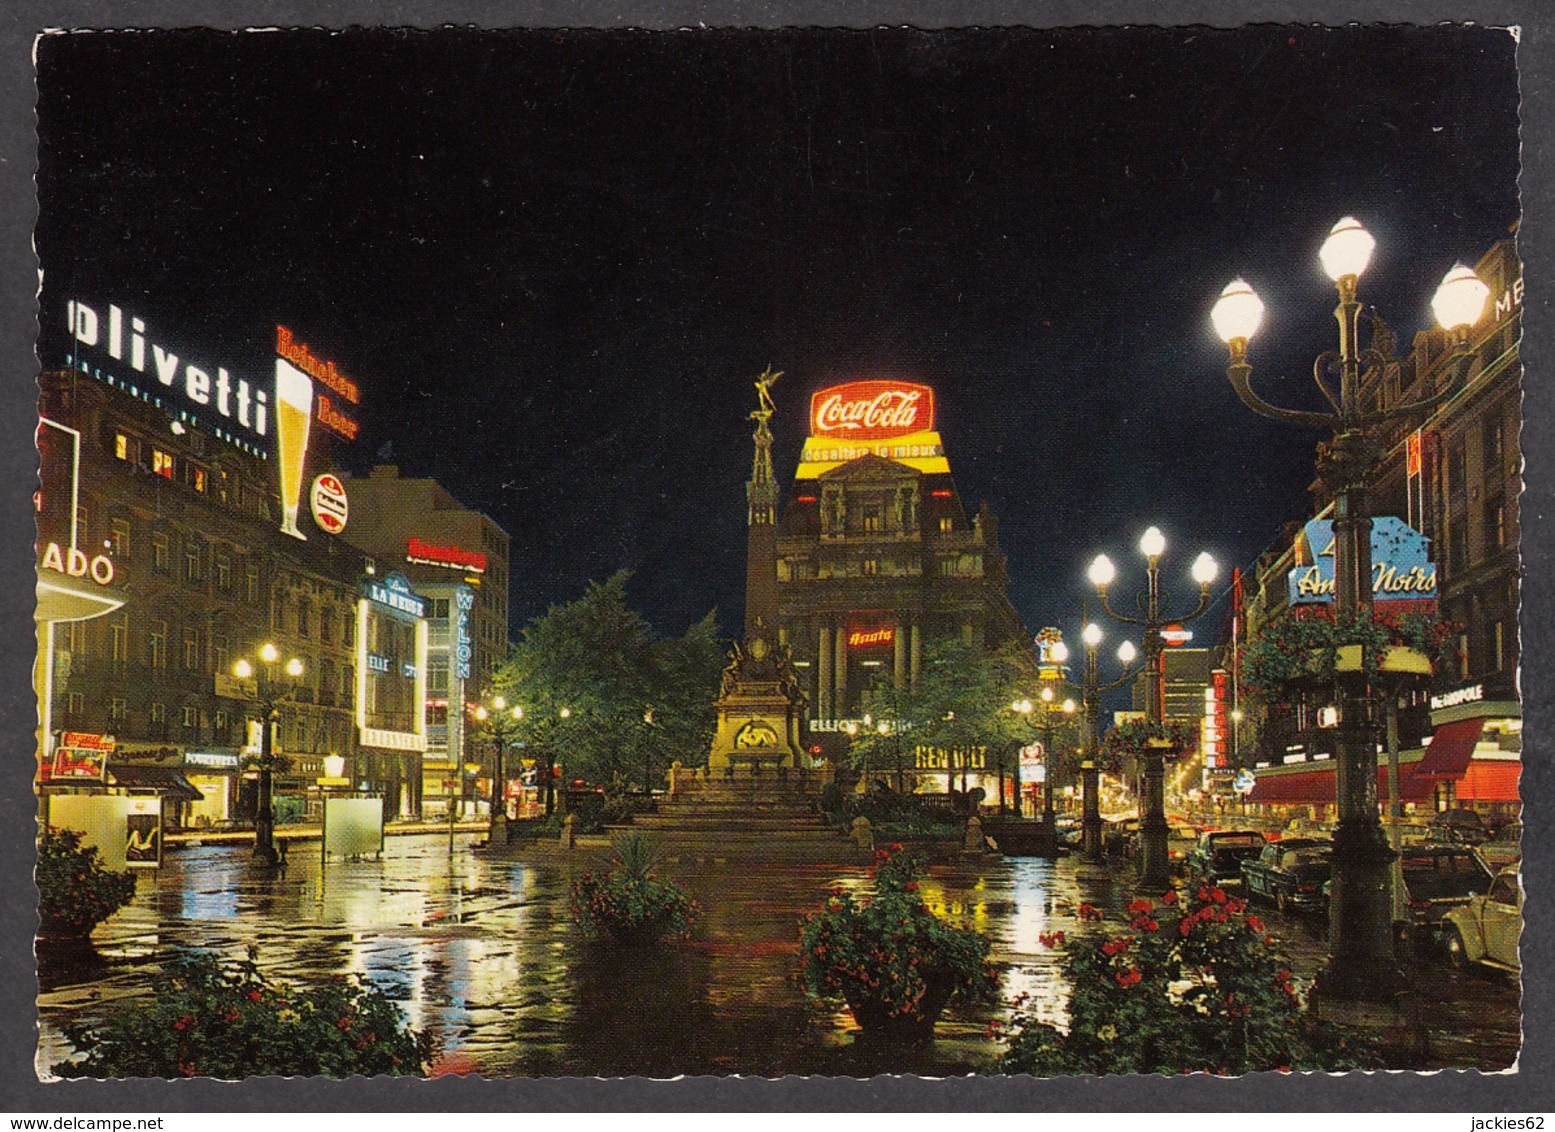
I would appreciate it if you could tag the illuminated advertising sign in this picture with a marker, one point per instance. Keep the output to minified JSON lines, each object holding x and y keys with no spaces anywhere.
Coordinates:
{"x":464,"y":648}
{"x":872,"y":410}
{"x":329,"y":504}
{"x":890,"y":419}
{"x":81,"y":756}
{"x":1176,"y":636}
{"x":871,"y":638}
{"x":341,"y":389}
{"x":234,"y":409}
{"x":451,"y":557}
{"x":143,"y":833}
{"x":394,"y":594}
{"x":76,"y":564}
{"x":1401,"y":567}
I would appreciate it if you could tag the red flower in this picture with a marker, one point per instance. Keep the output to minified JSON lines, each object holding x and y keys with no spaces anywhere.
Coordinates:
{"x":342,"y":1024}
{"x":896,"y":847}
{"x":1255,"y":923}
{"x":1169,"y":897}
{"x":1089,"y":912}
{"x":1128,"y":977}
{"x":253,"y":995}
{"x":184,"y":1023}
{"x":1218,"y":895}
{"x":1139,"y":906}
{"x":911,"y":886}
{"x":1114,"y":946}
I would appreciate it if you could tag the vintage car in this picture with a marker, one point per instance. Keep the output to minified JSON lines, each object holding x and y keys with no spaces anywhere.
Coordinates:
{"x":1291,"y":873}
{"x":1437,"y":879}
{"x":1486,"y":929}
{"x":1219,"y":854}
{"x":1505,"y":848}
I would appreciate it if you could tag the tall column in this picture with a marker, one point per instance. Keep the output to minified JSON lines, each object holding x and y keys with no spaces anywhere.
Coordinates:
{"x":823,"y":674}
{"x":899,"y":665}
{"x":917,"y":653}
{"x":840,"y":670}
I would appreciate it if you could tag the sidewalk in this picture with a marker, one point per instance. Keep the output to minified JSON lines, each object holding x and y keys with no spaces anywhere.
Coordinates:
{"x":312,"y":832}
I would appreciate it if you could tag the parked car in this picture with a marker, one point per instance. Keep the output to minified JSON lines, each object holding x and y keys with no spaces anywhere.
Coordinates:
{"x":1464,"y":827}
{"x":1437,"y":879}
{"x":1290,"y":872}
{"x":1219,"y":854}
{"x":1120,"y":837}
{"x":1505,"y":848}
{"x":1180,"y":841}
{"x":1486,"y":929}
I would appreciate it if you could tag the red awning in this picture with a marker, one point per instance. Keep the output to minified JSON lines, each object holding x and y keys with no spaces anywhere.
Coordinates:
{"x":1489,"y":780}
{"x":1450,"y":749}
{"x":1315,"y":786}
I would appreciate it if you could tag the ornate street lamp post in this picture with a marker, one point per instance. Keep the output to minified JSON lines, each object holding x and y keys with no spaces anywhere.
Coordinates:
{"x":1090,"y":771}
{"x":500,"y":721}
{"x":1361,"y":963}
{"x":1154,"y":865}
{"x":269,"y":692}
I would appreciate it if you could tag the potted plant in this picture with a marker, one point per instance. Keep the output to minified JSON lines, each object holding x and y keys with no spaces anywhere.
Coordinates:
{"x":1314,"y":649}
{"x":208,"y":1018}
{"x":75,"y":891}
{"x":894,"y":962}
{"x":1194,"y":984}
{"x":628,"y":903}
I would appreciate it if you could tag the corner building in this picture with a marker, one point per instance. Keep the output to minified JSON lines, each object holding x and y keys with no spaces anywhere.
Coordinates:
{"x":877,"y":554}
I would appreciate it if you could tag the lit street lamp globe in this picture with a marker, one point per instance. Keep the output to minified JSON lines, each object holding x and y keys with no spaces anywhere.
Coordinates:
{"x":1460,"y":300}
{"x":1238,"y":313}
{"x":1347,"y":250}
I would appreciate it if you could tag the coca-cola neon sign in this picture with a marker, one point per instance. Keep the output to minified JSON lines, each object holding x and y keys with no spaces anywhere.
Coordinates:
{"x":872,"y":410}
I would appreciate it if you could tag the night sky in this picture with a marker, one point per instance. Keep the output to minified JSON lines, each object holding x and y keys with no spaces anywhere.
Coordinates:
{"x":554,"y":262}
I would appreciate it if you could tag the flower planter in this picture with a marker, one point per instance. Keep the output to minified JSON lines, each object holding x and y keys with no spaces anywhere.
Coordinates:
{"x":876,"y":1019}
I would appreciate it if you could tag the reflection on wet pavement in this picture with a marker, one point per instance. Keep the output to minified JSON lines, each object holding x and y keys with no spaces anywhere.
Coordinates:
{"x":482,"y":953}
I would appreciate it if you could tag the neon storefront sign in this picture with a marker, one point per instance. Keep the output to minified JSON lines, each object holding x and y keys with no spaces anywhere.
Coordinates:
{"x":871,"y":410}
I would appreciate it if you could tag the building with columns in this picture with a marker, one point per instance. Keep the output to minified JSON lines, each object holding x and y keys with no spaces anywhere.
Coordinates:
{"x":877,"y":554}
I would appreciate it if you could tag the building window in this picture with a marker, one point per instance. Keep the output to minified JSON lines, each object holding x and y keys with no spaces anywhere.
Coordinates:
{"x":126,"y":448}
{"x":119,"y":539}
{"x":222,"y":566}
{"x":1498,"y":645}
{"x":1463,"y":656}
{"x":75,"y":704}
{"x":251,"y":584}
{"x":219,"y":653}
{"x":192,"y":649}
{"x":871,"y":567}
{"x":304,"y":619}
{"x":221,"y":723}
{"x":119,"y":639}
{"x":192,"y":556}
{"x":1495,"y":523}
{"x":118,"y":710}
{"x":1457,"y":475}
{"x":158,"y":650}
{"x":1457,"y":543}
{"x":191,"y":718}
{"x":161,"y":553}
{"x":198,"y":477}
{"x":158,"y":712}
{"x":1492,"y":448}
{"x":162,"y":463}
{"x":871,"y":518}
{"x":326,"y":624}
{"x":300,"y":730}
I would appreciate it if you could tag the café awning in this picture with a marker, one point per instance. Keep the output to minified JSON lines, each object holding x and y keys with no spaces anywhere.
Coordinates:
{"x":167,"y":781}
{"x":1314,"y":784}
{"x":1448,"y":754}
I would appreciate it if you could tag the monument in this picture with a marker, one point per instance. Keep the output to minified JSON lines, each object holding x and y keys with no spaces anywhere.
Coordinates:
{"x":760,"y":705}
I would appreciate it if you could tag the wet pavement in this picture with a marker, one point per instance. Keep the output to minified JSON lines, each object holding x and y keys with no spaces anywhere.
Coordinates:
{"x":482,"y":952}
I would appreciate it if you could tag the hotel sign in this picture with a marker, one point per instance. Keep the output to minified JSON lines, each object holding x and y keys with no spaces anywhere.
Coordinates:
{"x":1401,"y":567}
{"x":871,"y":410}
{"x":394,"y":594}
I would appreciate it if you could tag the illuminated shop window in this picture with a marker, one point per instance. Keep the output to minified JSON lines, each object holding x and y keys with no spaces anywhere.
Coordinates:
{"x":162,"y":463}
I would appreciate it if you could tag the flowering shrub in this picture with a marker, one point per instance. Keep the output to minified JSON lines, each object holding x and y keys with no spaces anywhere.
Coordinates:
{"x":1131,"y":736}
{"x":1294,"y":649}
{"x":1194,"y":985}
{"x":629,"y":903}
{"x":892,"y":960}
{"x":75,"y":892}
{"x":206,"y":1018}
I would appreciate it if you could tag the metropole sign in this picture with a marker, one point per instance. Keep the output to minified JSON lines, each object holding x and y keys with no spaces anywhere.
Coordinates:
{"x":1401,"y":566}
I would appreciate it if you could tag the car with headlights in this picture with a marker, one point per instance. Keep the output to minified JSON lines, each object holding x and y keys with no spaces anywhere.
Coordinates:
{"x":1290,"y":873}
{"x":1438,"y":879}
{"x":1485,"y":931}
{"x":1219,"y":854}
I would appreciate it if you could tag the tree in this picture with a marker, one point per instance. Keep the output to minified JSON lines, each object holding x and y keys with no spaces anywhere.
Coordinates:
{"x":605,"y":696}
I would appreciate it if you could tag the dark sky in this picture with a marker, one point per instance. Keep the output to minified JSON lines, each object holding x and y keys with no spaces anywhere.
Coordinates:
{"x":555,"y":261}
